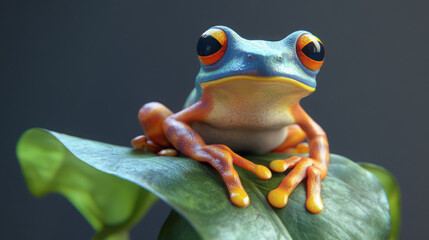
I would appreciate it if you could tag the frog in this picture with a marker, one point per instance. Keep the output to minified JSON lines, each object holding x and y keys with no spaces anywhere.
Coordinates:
{"x":247,"y":99}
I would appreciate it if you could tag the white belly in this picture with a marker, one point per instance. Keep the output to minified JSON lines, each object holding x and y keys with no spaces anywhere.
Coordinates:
{"x":242,"y":139}
{"x":248,"y":115}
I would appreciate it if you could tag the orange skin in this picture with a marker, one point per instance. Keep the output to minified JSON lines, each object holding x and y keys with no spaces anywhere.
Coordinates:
{"x":165,"y":129}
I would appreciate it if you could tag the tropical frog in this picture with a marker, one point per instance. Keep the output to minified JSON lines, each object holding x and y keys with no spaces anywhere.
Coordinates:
{"x":246,"y":99}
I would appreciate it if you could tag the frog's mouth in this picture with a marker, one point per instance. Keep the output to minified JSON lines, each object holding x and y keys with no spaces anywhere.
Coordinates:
{"x":261,"y":79}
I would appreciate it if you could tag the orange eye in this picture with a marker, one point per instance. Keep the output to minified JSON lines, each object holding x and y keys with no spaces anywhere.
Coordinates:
{"x":311,"y":51}
{"x":212,"y":46}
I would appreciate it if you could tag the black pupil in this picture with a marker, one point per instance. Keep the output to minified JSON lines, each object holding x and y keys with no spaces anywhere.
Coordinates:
{"x":316,"y":53}
{"x":207,"y":45}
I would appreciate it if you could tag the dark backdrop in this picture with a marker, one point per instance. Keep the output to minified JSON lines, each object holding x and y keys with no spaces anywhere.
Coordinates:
{"x":85,"y":67}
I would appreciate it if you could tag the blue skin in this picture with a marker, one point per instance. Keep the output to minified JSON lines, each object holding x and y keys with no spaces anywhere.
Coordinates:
{"x":255,"y":58}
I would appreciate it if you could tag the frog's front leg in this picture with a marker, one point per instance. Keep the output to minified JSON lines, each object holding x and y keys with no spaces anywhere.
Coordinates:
{"x":189,"y":143}
{"x":314,"y":167}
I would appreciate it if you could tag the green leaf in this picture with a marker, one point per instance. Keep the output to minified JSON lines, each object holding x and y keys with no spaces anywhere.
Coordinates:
{"x":111,"y":204}
{"x":393,"y":194}
{"x":356,"y":206}
{"x":176,"y":227}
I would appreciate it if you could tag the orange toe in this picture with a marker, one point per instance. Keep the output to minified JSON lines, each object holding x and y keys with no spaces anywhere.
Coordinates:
{"x":263,"y":172}
{"x":277,"y":198}
{"x":239,"y":197}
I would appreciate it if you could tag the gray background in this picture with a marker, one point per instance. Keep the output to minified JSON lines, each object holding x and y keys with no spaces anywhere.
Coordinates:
{"x":85,"y":67}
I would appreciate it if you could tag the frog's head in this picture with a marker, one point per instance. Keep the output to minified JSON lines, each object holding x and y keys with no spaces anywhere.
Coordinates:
{"x":225,"y":57}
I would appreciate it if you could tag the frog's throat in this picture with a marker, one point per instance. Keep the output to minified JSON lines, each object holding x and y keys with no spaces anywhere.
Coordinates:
{"x":290,"y":81}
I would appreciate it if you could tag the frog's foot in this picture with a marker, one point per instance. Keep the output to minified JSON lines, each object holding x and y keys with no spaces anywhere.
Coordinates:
{"x":222,"y":159}
{"x":141,"y":142}
{"x":259,"y":170}
{"x":300,"y":148}
{"x":302,"y":167}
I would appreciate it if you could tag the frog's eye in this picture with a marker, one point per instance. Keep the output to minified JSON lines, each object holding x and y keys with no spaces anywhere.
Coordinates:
{"x":311,"y":51}
{"x":212,"y":46}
